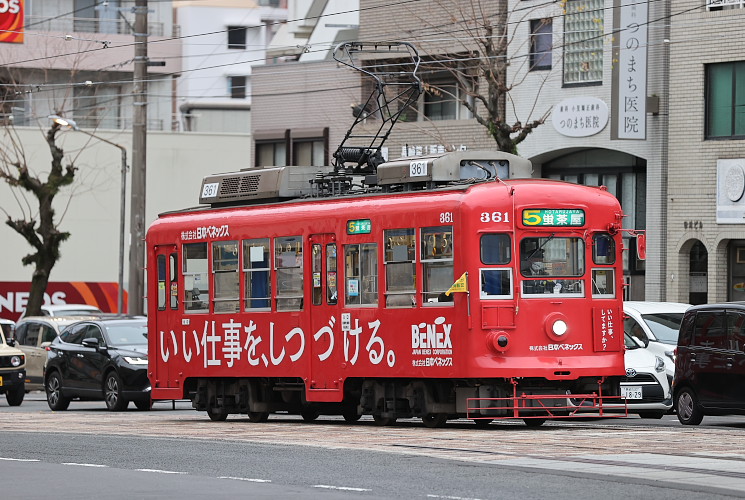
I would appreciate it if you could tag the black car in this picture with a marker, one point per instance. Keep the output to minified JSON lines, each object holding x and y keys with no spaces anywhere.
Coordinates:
{"x":102,"y":359}
{"x":710,"y":362}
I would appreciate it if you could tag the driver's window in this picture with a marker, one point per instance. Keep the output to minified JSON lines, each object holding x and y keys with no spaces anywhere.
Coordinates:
{"x":94,"y":332}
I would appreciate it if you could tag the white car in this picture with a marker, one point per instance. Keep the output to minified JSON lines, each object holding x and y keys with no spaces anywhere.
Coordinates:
{"x":67,"y":310}
{"x":656,"y":324}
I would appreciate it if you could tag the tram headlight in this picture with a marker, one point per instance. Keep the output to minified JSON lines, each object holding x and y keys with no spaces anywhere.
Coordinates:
{"x":498,"y":342}
{"x":556,"y":326}
{"x":559,"y":327}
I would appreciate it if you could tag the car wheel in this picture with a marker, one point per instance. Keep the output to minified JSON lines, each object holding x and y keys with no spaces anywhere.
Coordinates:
{"x":143,"y":404}
{"x":689,"y":412}
{"x":55,"y":399}
{"x":112,"y":393}
{"x":15,"y":397}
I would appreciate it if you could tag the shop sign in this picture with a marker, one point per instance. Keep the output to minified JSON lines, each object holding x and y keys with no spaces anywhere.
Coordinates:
{"x":14,"y":295}
{"x":580,"y":116}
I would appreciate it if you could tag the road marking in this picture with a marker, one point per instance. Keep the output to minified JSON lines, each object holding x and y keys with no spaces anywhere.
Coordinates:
{"x":84,"y":465}
{"x":160,"y":471}
{"x":343,"y":488}
{"x":20,"y":459}
{"x":451,"y":498}
{"x":246,"y":479}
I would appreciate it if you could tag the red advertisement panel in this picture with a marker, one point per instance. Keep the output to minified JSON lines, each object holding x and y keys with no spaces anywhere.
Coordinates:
{"x":14,"y":294}
{"x":11,"y":21}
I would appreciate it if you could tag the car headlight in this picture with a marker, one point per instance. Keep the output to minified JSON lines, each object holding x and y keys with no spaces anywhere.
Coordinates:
{"x":659,"y":364}
{"x":16,"y":360}
{"x":135,"y":361}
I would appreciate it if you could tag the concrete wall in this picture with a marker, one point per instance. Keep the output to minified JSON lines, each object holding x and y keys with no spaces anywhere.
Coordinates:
{"x":89,"y":210}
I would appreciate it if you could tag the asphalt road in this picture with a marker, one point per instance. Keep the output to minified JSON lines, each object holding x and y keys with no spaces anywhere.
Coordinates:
{"x":88,"y":452}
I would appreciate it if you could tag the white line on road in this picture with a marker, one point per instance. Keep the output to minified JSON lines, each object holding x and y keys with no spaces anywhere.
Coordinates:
{"x":343,"y":488}
{"x":246,"y":479}
{"x":160,"y":471}
{"x":84,"y":465}
{"x":451,"y":498}
{"x":20,"y":459}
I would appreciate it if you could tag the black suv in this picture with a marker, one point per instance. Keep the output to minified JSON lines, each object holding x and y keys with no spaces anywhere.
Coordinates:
{"x":710,"y":362}
{"x":103,"y":359}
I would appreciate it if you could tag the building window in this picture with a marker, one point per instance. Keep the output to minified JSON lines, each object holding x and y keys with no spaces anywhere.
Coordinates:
{"x":97,"y":107}
{"x":308,"y":152}
{"x":442,"y":100}
{"x":271,"y":154}
{"x":237,"y":87}
{"x":540,"y":44}
{"x":583,"y":41}
{"x":725,"y":4}
{"x":237,"y":37}
{"x":725,"y":100}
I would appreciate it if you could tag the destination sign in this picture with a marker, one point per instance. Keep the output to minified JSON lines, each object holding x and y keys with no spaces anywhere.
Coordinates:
{"x":359,"y":226}
{"x":554,"y":217}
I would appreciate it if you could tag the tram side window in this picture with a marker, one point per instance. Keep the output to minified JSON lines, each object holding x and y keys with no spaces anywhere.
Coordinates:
{"x":173,"y":260}
{"x":603,"y":252}
{"x":257,"y":272}
{"x":361,"y":274}
{"x":288,"y":262}
{"x":400,"y":267}
{"x":196,"y":284}
{"x":225,"y":276}
{"x":496,"y":249}
{"x":437,"y":263}
{"x":161,"y":282}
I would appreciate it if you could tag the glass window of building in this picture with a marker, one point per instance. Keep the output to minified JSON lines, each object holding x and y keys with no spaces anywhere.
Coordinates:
{"x":725,"y":100}
{"x":541,"y":43}
{"x":583,"y":41}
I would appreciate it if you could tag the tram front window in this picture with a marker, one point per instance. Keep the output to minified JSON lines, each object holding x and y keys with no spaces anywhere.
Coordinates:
{"x":552,"y":265}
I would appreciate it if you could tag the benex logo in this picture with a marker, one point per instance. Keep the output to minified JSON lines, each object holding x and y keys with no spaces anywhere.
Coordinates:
{"x":431,"y":335}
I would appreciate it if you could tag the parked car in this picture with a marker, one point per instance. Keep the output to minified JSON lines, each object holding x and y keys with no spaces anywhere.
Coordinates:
{"x":12,"y":371}
{"x":6,"y":327}
{"x":656,"y":324}
{"x":32,"y":335}
{"x":67,"y":310}
{"x":102,"y":359}
{"x":645,"y":388}
{"x":710,"y":363}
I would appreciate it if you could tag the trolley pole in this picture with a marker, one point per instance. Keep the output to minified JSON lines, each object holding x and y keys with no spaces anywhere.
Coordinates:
{"x":139,"y":150}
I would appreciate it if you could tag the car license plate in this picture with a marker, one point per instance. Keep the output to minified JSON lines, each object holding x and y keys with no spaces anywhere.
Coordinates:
{"x":631,"y":392}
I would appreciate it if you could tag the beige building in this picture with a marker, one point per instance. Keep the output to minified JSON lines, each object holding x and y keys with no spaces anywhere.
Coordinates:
{"x":706,"y":206}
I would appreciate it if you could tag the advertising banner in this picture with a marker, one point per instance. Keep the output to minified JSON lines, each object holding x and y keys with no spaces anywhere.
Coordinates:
{"x":14,"y":295}
{"x":11,"y":21}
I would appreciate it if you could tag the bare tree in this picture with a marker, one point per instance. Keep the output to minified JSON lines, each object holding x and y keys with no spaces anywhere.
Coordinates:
{"x":41,"y":231}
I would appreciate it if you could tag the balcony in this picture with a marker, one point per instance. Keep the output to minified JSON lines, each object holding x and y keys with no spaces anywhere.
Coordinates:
{"x":92,"y":25}
{"x":725,"y":4}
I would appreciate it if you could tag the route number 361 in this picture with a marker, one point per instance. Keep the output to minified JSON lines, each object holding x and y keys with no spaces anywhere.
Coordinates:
{"x":495,"y":217}
{"x":446,"y":217}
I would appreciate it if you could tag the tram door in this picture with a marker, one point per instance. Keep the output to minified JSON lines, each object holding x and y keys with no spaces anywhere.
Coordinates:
{"x":167,"y":297}
{"x":324,"y":339}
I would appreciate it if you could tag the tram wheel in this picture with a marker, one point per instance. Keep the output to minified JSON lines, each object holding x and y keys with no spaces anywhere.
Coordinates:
{"x":217,"y":415}
{"x":351,"y":415}
{"x":434,"y":420}
{"x":258,"y":416}
{"x":384,"y":421}
{"x":309,"y":414}
{"x":483,"y":423}
{"x":534,"y":422}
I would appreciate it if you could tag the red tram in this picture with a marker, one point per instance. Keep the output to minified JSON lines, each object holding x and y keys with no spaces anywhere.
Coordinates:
{"x":340,"y":305}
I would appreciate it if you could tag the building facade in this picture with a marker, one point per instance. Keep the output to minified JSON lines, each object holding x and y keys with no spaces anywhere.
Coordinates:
{"x":706,"y":206}
{"x":594,"y":72}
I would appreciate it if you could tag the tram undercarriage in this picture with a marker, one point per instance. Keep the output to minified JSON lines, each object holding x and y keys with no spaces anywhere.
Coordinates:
{"x":435,"y":401}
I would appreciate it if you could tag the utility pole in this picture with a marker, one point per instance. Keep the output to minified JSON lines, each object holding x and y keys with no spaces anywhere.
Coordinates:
{"x":139,"y":150}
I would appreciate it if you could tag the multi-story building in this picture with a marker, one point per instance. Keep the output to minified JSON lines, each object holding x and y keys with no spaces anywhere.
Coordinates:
{"x":593,"y":71}
{"x":706,"y":205}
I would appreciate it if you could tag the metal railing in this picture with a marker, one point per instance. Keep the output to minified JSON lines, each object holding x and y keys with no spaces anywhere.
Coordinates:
{"x":720,"y":4}
{"x":91,"y":25}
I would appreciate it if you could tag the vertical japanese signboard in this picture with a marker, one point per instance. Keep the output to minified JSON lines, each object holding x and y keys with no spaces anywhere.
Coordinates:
{"x":11,"y":21}
{"x":629,"y":107}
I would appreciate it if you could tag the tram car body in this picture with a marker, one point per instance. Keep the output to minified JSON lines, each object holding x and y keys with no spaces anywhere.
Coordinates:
{"x":437,"y":296}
